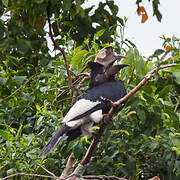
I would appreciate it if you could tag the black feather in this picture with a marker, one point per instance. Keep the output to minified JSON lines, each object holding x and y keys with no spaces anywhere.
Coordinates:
{"x":112,"y":90}
{"x":54,"y":140}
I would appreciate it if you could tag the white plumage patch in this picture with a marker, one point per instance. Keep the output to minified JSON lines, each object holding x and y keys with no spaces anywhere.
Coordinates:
{"x":80,"y":107}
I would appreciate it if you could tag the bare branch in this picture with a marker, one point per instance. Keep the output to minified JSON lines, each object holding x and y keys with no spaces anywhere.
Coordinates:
{"x":59,"y":48}
{"x":23,"y":174}
{"x":52,"y":174}
{"x":68,"y":168}
{"x":148,"y":76}
{"x":103,"y":177}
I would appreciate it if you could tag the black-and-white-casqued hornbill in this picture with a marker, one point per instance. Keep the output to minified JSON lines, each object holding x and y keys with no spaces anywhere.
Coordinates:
{"x":94,"y":104}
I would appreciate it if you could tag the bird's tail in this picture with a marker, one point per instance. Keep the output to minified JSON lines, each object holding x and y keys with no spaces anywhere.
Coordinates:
{"x":54,"y":140}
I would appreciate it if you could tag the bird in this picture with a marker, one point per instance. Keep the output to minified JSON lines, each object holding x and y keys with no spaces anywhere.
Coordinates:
{"x":93,"y":105}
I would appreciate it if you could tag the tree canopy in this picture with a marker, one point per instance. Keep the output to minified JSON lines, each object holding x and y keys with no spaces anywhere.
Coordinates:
{"x":142,"y":141}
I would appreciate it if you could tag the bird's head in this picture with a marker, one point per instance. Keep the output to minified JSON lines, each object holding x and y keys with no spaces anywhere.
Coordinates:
{"x":99,"y":74}
{"x":107,"y":57}
{"x":102,"y":69}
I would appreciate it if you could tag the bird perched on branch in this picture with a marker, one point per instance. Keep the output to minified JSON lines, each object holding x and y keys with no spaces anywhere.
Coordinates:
{"x":94,"y":104}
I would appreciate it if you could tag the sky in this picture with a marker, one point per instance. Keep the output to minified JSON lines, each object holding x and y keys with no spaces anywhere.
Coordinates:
{"x":146,"y":36}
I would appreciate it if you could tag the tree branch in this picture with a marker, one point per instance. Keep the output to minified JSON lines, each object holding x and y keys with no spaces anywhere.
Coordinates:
{"x":68,"y":168}
{"x":52,"y":174}
{"x":59,"y":48}
{"x":24,"y":174}
{"x":103,"y":177}
{"x":148,"y":76}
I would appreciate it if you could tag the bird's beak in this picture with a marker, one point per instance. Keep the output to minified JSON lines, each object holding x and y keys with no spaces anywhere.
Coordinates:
{"x":111,"y":71}
{"x":107,"y":57}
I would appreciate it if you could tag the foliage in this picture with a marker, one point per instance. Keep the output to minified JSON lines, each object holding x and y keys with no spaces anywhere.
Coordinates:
{"x":142,"y":141}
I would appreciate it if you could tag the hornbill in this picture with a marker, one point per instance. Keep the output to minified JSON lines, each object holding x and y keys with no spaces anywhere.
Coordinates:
{"x":93,"y":105}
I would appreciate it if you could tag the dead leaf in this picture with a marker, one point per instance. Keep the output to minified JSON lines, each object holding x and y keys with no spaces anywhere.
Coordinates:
{"x":142,"y":12}
{"x":144,"y":18}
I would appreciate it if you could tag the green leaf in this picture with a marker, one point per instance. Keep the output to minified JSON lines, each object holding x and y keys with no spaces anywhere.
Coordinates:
{"x":176,"y":76}
{"x":131,"y":165}
{"x":72,"y":145}
{"x":178,"y":165}
{"x":5,"y":134}
{"x":44,"y":89}
{"x":165,"y":91}
{"x":38,"y":122}
{"x":78,"y":150}
{"x":32,"y":153}
{"x":140,"y":65}
{"x":39,"y":1}
{"x":100,"y":33}
{"x":141,"y":113}
{"x":156,"y":12}
{"x":121,"y":21}
{"x":67,"y":5}
{"x":153,"y":145}
{"x":19,"y":131}
{"x":5,"y":2}
{"x":130,"y":113}
{"x":158,"y":52}
{"x":11,"y":171}
{"x":77,"y":59}
{"x":3,"y":80}
{"x":20,"y":78}
{"x":78,"y":5}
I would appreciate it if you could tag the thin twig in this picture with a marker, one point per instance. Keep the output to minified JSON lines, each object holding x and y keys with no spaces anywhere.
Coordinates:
{"x":59,"y":48}
{"x":24,"y":174}
{"x":103,"y":177}
{"x":148,"y":76}
{"x":52,"y":174}
{"x":18,"y":89}
{"x":80,"y":79}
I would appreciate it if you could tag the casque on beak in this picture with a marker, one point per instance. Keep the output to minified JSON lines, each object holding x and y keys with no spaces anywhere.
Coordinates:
{"x":107,"y":56}
{"x":111,"y":71}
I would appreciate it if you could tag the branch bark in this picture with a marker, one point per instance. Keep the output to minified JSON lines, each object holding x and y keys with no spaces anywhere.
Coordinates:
{"x":60,"y":49}
{"x":103,"y":177}
{"x":68,"y":168}
{"x":24,"y":174}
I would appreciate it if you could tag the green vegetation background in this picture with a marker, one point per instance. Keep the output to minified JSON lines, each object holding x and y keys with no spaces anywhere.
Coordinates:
{"x":143,"y":140}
